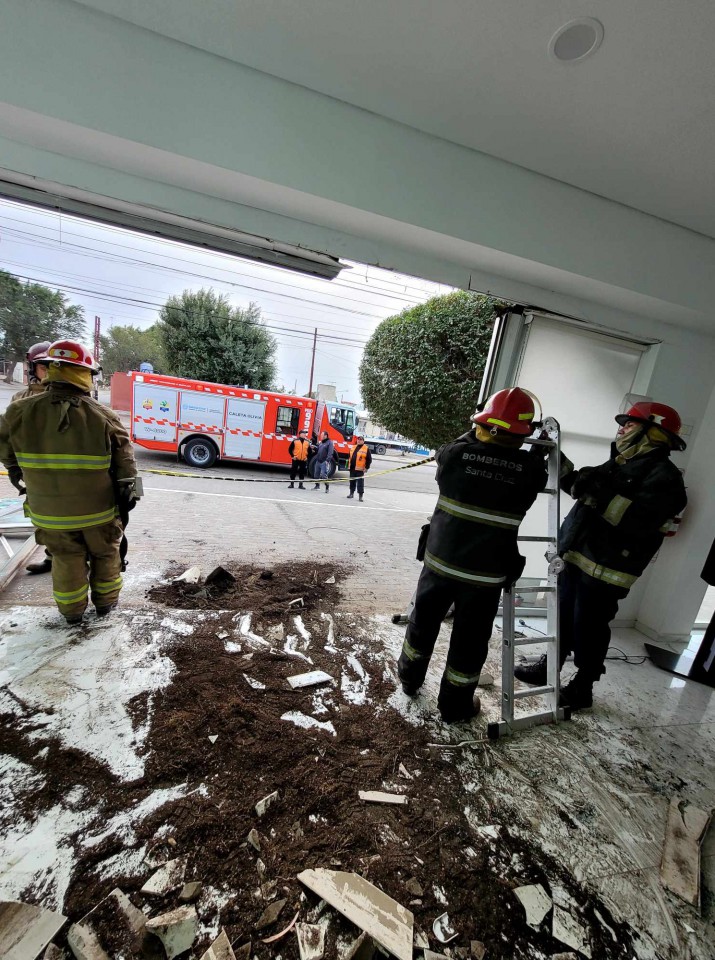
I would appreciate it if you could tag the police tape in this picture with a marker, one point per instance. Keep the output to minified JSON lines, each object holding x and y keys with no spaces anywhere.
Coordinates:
{"x":208,"y":476}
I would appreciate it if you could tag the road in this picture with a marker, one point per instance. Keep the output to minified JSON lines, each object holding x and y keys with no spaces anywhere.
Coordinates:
{"x":250,"y":515}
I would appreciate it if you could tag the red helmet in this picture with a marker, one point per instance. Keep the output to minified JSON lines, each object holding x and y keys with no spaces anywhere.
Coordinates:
{"x":655,"y":415}
{"x":509,"y":410}
{"x":72,"y":353}
{"x":38,"y":352}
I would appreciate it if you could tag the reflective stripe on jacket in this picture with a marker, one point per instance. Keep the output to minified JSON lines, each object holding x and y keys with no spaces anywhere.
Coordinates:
{"x":360,"y":458}
{"x":299,"y":449}
{"x":485,"y":490}
{"x":66,"y":444}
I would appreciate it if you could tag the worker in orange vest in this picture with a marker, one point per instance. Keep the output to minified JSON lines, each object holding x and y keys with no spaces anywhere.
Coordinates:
{"x":299,"y":450}
{"x":358,"y":463}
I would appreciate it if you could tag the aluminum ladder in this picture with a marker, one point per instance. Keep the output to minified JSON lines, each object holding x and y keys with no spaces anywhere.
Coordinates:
{"x":551,"y":712}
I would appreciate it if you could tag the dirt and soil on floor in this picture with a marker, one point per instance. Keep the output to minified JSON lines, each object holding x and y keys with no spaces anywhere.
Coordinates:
{"x":228,"y":727}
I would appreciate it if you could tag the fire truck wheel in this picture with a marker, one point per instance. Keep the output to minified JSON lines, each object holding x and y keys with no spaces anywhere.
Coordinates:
{"x":200,"y":453}
{"x":313,"y":468}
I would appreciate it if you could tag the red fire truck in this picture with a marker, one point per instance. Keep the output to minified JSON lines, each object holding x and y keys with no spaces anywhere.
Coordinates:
{"x":203,"y":422}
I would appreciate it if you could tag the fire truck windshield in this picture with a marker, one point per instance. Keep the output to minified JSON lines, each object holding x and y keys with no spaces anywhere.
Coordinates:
{"x":343,"y":419}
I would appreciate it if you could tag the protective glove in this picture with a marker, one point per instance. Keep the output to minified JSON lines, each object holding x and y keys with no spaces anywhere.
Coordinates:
{"x":15,"y":477}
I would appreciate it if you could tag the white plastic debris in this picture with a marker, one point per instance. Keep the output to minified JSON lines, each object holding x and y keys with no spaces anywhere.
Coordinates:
{"x":192,"y":575}
{"x":443,"y":929}
{"x":310,"y":679}
{"x":378,"y":796}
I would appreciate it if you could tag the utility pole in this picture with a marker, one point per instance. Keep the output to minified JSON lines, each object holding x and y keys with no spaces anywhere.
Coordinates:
{"x":312,"y":362}
{"x":97,"y":332}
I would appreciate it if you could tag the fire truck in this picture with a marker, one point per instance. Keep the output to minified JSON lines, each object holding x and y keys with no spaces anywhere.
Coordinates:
{"x":204,"y":422}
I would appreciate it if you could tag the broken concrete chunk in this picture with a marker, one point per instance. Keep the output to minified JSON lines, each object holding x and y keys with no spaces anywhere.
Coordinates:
{"x":25,"y":930}
{"x":310,"y":679}
{"x":190,"y":891}
{"x":220,"y":949}
{"x":115,"y":918}
{"x":256,"y":684}
{"x":254,"y":839}
{"x":569,"y":931}
{"x":386,"y":921}
{"x":265,"y":803}
{"x":536,"y":903}
{"x":190,"y":575}
{"x":414,"y":887}
{"x":176,"y":929}
{"x":270,"y":914}
{"x":166,"y":878}
{"x":377,"y":796}
{"x":311,"y":941}
{"x":443,"y":929}
{"x":477,"y":949}
{"x":330,"y":579}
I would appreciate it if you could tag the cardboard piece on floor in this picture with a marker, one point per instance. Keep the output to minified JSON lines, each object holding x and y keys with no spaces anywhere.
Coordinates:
{"x":166,"y":878}
{"x":535,"y":901}
{"x":25,"y":930}
{"x":220,"y":949}
{"x":680,"y":864}
{"x":382,"y":918}
{"x":311,"y":941}
{"x":568,"y":930}
{"x":310,"y":679}
{"x":378,"y":796}
{"x":176,"y":930}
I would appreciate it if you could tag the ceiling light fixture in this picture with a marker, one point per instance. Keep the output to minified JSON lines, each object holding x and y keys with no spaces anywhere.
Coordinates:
{"x":576,"y":40}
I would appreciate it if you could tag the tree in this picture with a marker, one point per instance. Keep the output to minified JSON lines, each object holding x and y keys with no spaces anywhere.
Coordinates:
{"x":30,"y":313}
{"x":124,"y":348}
{"x":421,"y":370}
{"x":205,"y":338}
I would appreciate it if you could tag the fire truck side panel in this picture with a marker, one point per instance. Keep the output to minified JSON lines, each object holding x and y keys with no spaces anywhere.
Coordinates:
{"x":202,"y":413}
{"x":154,"y":416}
{"x":243,"y":439}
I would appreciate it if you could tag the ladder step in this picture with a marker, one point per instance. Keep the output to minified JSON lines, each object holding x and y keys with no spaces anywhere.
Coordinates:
{"x":524,"y":641}
{"x":549,"y":490}
{"x":533,"y":692}
{"x":521,"y":590}
{"x":538,"y":539}
{"x":540,"y":443}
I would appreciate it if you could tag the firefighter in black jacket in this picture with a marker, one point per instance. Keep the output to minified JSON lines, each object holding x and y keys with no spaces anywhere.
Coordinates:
{"x":299,"y":450}
{"x":486,"y":485}
{"x":624,"y":509}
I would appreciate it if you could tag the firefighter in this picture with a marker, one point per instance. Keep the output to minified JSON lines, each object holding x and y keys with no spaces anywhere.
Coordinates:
{"x":359,"y":463}
{"x":622,"y":512}
{"x":486,"y":485}
{"x":37,"y":361}
{"x":72,"y":452}
{"x":299,"y":449}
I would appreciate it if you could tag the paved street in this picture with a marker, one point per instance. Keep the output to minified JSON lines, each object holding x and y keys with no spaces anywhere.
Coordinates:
{"x":195,"y":520}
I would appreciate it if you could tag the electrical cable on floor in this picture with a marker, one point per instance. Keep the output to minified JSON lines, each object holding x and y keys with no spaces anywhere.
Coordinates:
{"x":634,"y":661}
{"x":523,"y":623}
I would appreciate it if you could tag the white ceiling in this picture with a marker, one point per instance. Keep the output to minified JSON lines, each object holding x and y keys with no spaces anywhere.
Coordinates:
{"x":635,"y":122}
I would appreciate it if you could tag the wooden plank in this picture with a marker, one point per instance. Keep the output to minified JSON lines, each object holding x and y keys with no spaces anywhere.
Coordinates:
{"x":680,"y":864}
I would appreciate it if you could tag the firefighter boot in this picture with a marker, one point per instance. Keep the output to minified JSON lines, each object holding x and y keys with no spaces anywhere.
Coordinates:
{"x":578,"y":693}
{"x":351,"y":495}
{"x":291,"y":485}
{"x":360,"y":497}
{"x":43,"y":566}
{"x":105,"y":611}
{"x":301,"y":487}
{"x":327,"y":488}
{"x":532,"y":673}
{"x":316,"y":487}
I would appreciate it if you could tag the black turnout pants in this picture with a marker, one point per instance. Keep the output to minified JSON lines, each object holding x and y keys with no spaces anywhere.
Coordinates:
{"x":586,"y":608}
{"x":357,"y":479}
{"x":474,"y":611}
{"x":298,"y":468}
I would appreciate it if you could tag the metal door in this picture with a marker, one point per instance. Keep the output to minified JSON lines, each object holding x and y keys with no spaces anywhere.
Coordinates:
{"x":244,"y":428}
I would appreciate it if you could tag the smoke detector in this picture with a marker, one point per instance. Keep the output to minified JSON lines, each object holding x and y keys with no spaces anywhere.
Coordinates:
{"x":576,"y":40}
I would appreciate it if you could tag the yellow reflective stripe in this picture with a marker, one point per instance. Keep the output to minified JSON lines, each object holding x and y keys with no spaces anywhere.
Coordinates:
{"x":410,"y":652}
{"x":459,"y":573}
{"x":106,"y":586}
{"x":70,"y":523}
{"x":70,"y":596}
{"x":526,"y":416}
{"x":595,"y":570}
{"x":615,"y":509}
{"x":458,"y":679}
{"x":64,"y":456}
{"x":62,"y":461}
{"x":499,"y":423}
{"x":478,"y":513}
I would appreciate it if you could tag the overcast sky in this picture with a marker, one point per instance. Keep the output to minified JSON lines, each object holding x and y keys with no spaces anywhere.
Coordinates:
{"x":125,"y":277}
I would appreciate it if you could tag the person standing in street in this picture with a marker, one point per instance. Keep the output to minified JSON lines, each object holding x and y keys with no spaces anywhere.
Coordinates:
{"x":299,"y":450}
{"x":470,"y":551}
{"x":623,"y":510}
{"x":37,"y":361}
{"x":72,"y":454}
{"x":324,"y":458}
{"x":359,"y":463}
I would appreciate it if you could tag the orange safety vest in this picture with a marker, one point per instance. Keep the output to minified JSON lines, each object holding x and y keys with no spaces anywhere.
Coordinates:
{"x":360,"y":457}
{"x":300,"y":449}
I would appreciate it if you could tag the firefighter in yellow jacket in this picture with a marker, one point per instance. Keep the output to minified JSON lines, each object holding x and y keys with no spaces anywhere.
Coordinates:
{"x":72,"y":454}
